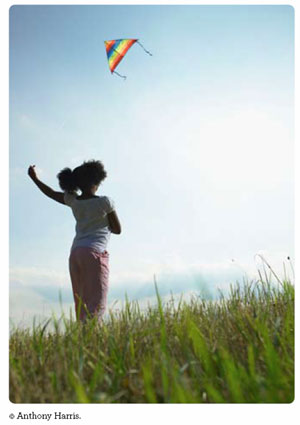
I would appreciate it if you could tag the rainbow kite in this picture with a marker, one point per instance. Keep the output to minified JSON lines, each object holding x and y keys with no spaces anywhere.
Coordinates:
{"x":117,"y":49}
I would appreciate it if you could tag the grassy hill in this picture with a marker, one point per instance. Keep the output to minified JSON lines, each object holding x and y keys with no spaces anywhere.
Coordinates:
{"x":239,"y":349}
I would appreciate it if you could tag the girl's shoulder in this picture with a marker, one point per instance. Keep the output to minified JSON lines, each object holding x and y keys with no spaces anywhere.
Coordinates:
{"x":104,"y":202}
{"x":107,"y":204}
{"x":69,"y":198}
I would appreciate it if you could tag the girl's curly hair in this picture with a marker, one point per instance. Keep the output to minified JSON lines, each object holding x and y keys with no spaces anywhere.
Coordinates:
{"x":83,"y":177}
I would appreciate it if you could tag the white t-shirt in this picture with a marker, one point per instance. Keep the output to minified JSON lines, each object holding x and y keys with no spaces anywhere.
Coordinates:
{"x":91,"y":220}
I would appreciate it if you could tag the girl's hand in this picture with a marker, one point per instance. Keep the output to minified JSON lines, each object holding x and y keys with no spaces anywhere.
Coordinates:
{"x":56,"y":196}
{"x":31,"y":172}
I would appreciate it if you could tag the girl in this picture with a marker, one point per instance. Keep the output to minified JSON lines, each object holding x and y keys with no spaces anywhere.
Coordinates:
{"x":95,"y":219}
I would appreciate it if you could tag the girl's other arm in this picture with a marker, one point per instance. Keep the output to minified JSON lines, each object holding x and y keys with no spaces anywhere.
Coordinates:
{"x":114,"y":223}
{"x":56,"y":196}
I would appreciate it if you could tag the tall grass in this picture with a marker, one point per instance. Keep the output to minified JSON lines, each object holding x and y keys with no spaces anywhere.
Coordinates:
{"x":239,"y":349}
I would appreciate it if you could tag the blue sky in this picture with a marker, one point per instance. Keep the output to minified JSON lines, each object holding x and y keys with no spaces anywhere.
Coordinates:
{"x":198,"y":141}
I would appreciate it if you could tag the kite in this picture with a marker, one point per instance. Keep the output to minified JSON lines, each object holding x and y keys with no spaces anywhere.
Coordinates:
{"x":117,"y":49}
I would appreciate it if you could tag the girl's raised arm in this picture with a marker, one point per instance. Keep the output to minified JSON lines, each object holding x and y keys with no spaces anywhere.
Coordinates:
{"x":56,"y":196}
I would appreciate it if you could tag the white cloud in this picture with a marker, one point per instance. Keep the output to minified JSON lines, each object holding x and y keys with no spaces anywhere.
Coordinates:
{"x":31,"y":276}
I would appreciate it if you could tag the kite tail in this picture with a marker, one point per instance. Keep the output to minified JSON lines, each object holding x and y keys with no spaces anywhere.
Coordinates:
{"x":122,"y":76}
{"x":149,"y":53}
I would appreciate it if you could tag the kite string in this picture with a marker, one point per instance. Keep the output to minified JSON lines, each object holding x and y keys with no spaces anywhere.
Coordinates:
{"x":122,"y":76}
{"x":147,"y":51}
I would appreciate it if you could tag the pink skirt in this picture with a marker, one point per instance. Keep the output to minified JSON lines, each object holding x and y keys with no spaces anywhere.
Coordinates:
{"x":89,"y":271}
